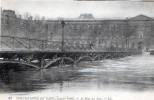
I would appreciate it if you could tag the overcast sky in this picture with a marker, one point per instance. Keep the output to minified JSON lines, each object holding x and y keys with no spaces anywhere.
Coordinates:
{"x":72,"y":9}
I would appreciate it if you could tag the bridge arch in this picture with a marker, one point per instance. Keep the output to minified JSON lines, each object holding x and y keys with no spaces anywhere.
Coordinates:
{"x":98,"y":56}
{"x":77,"y":61}
{"x":110,"y":55}
{"x":22,"y":63}
{"x":57,"y":59}
{"x":119,"y":55}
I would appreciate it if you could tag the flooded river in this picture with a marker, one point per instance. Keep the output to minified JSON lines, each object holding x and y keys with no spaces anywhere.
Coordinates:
{"x":133,"y":73}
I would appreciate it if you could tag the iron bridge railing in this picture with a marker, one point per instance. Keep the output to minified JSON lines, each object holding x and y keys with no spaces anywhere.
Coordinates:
{"x":8,"y":43}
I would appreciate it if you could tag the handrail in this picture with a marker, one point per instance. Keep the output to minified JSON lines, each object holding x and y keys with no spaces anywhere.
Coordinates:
{"x":22,"y":38}
{"x":55,"y":45}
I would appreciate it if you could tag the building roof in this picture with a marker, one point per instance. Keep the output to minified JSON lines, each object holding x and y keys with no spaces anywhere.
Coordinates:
{"x":141,"y":17}
{"x":86,"y":16}
{"x":89,"y":17}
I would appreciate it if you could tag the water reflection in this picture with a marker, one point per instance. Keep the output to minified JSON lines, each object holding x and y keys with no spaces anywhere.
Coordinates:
{"x":134,"y":73}
{"x":34,"y":80}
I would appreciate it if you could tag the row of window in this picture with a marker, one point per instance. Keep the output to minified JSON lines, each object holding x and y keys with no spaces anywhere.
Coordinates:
{"x":88,"y":27}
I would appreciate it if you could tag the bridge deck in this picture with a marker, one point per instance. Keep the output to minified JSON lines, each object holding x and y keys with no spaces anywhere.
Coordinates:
{"x":59,"y":51}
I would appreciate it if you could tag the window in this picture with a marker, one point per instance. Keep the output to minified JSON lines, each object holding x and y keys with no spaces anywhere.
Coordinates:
{"x":88,"y":26}
{"x":78,"y":26}
{"x":99,"y":26}
{"x":141,"y":35}
{"x":72,"y":26}
{"x":3,"y":21}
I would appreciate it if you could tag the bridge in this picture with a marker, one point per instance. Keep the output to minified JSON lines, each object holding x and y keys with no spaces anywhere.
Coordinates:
{"x":42,"y":54}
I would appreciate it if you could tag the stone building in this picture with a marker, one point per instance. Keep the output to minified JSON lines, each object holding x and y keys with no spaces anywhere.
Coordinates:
{"x":136,"y":32}
{"x":143,"y":29}
{"x":11,"y":25}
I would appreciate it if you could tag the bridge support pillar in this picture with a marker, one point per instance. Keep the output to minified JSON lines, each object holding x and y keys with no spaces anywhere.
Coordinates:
{"x":42,"y":60}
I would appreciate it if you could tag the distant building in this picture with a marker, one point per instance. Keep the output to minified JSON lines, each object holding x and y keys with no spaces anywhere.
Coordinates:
{"x":136,"y":32}
{"x":10,"y":13}
{"x":86,"y":16}
{"x":13,"y":25}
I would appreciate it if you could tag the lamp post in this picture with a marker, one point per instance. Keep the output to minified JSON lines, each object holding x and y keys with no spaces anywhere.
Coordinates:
{"x":62,"y":43}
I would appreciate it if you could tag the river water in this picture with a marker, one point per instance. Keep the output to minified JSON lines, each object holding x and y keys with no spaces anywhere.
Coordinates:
{"x":133,"y":73}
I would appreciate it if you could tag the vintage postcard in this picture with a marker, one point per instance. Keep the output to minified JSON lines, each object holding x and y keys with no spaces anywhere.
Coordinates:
{"x":77,"y":50}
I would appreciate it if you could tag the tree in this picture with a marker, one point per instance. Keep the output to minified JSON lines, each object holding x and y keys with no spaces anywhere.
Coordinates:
{"x":26,"y":15}
{"x":37,"y":17}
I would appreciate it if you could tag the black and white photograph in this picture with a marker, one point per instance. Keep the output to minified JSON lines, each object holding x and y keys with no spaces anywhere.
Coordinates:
{"x":77,"y":50}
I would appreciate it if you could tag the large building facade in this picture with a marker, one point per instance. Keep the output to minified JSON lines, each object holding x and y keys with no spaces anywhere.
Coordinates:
{"x":136,"y":32}
{"x":13,"y":25}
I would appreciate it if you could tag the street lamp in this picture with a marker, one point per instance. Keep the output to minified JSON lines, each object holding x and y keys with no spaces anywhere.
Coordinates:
{"x":62,"y":43}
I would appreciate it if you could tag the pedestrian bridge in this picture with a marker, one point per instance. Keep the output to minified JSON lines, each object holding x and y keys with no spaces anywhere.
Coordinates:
{"x":42,"y":54}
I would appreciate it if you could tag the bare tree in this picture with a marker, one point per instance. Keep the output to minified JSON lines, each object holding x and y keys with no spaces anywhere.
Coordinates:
{"x":37,"y":17}
{"x":26,"y":15}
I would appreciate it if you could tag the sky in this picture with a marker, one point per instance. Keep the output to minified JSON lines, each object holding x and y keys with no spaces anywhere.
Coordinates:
{"x":72,"y":9}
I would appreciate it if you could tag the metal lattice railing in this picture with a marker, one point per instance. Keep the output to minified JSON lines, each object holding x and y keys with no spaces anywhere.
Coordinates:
{"x":17,"y":43}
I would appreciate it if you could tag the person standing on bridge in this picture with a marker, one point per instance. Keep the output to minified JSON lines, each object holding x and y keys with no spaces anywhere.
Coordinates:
{"x":91,"y":45}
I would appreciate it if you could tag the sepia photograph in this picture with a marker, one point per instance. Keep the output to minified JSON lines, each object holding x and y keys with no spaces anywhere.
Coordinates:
{"x":77,"y":50}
